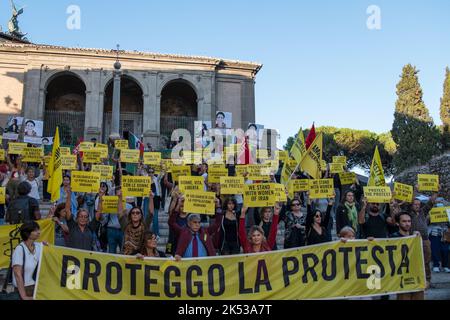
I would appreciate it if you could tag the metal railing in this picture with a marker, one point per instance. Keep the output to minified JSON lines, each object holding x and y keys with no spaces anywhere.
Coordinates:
{"x":70,"y":123}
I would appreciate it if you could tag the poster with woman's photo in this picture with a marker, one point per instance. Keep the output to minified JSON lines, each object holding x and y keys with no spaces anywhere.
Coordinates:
{"x":201,"y":133}
{"x":12,"y":128}
{"x":33,"y":131}
{"x":224,"y":120}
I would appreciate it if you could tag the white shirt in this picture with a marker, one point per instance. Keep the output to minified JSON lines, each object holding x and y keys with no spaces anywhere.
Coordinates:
{"x":31,"y":261}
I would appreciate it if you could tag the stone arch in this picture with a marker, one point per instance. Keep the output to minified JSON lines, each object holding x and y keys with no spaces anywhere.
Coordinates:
{"x":65,"y":105}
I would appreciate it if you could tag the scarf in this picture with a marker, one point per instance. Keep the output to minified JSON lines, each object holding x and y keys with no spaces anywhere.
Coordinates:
{"x":352,"y":215}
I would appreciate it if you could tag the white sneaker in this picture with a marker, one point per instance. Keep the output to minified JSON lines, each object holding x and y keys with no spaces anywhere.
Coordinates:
{"x":447,"y":270}
{"x":436,"y":269}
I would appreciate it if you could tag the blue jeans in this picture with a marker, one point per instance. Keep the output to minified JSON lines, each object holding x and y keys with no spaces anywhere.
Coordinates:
{"x":2,"y":222}
{"x":115,"y":239}
{"x":155,"y":222}
{"x":439,"y":252}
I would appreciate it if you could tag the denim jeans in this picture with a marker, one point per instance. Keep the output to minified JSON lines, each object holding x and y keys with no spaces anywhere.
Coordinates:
{"x":2,"y":222}
{"x":115,"y":239}
{"x":439,"y":252}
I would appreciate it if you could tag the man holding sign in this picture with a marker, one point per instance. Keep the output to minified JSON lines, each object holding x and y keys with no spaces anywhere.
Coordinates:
{"x":194,"y":240}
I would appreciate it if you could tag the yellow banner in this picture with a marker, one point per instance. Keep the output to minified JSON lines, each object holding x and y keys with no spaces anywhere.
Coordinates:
{"x":2,"y":195}
{"x":191,"y":184}
{"x":200,"y":202}
{"x":298,"y":150}
{"x":69,"y":162}
{"x":121,"y":144}
{"x":136,"y":186}
{"x":298,"y":185}
{"x":378,"y":194}
{"x":336,"y":168}
{"x":101,"y":146}
{"x":440,"y":215}
{"x":103,"y":151}
{"x":106,"y":172}
{"x":65,"y":151}
{"x":259,"y":195}
{"x":403,"y":192}
{"x":2,"y":155}
{"x":180,"y":171}
{"x":86,"y":145}
{"x":428,"y":182}
{"x":167,"y":165}
{"x":231,"y":185}
{"x":152,"y":158}
{"x":215,"y":173}
{"x":47,"y":227}
{"x":321,"y":188}
{"x":83,"y":181}
{"x":110,"y":204}
{"x":376,"y":178}
{"x":32,"y":154}
{"x":282,"y":155}
{"x":92,"y":156}
{"x":347,"y":178}
{"x":332,"y":270}
{"x":280,"y":192}
{"x":256,"y":172}
{"x":312,"y":160}
{"x":16,"y":148}
{"x":323,"y":165}
{"x":340,"y":159}
{"x":129,"y":156}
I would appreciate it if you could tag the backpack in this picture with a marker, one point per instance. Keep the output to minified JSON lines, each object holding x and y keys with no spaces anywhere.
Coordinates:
{"x":18,"y":211}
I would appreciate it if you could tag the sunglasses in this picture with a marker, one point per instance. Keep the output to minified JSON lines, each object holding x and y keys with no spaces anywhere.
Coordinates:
{"x":295,"y":204}
{"x":318,"y":216}
{"x":135,"y":212}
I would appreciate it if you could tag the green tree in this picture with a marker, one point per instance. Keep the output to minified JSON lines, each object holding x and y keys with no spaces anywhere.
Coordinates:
{"x":445,"y":112}
{"x":413,"y":131}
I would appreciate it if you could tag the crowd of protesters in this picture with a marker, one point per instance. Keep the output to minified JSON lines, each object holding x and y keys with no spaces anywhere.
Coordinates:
{"x":231,"y":229}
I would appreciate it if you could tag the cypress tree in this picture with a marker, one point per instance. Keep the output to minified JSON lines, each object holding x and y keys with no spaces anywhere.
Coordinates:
{"x":445,"y":112}
{"x":413,"y":131}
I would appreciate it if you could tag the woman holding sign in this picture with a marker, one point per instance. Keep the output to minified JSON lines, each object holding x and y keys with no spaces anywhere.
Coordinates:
{"x":317,"y":223}
{"x":255,"y":241}
{"x":133,"y":225}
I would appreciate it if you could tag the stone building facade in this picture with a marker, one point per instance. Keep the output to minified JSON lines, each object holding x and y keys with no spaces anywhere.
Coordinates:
{"x":72,"y":88}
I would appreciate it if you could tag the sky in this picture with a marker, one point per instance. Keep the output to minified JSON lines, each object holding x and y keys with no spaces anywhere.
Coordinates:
{"x":322,"y":63}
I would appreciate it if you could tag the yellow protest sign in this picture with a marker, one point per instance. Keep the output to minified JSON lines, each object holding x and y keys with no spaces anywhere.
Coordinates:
{"x":286,"y":172}
{"x":110,"y":204}
{"x":167,"y":165}
{"x":47,"y":228}
{"x":136,"y":186}
{"x":32,"y":154}
{"x":2,"y":155}
{"x":282,"y":155}
{"x":190,"y":184}
{"x":121,"y":144}
{"x":65,"y":151}
{"x":86,"y":145}
{"x":403,"y":192}
{"x":152,"y":158}
{"x":106,"y":172}
{"x":258,"y":172}
{"x":336,"y":168}
{"x":200,"y":202}
{"x":312,"y":160}
{"x":376,"y":178}
{"x":331,"y":270}
{"x":92,"y":156}
{"x":216,"y":172}
{"x":259,"y":195}
{"x":69,"y":162}
{"x":340,"y":159}
{"x":231,"y":185}
{"x":180,"y":171}
{"x":16,"y":147}
{"x":347,"y":178}
{"x":2,"y":195}
{"x":299,"y":185}
{"x":103,"y":152}
{"x":280,"y":192}
{"x":323,"y":165}
{"x":262,"y":154}
{"x":378,"y":194}
{"x":83,"y":181}
{"x":440,"y":215}
{"x":129,"y":156}
{"x":321,"y":188}
{"x":428,"y":182}
{"x":101,"y":146}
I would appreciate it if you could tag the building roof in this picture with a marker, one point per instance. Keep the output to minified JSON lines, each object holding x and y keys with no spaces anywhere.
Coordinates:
{"x":225,"y":63}
{"x":4,"y":37}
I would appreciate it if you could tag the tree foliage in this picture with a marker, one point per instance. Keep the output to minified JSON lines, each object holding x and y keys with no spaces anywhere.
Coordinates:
{"x":413,"y":131}
{"x":445,"y":112}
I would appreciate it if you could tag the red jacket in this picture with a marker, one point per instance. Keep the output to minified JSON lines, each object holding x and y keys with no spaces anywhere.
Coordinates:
{"x":266,"y":245}
{"x":184,"y":236}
